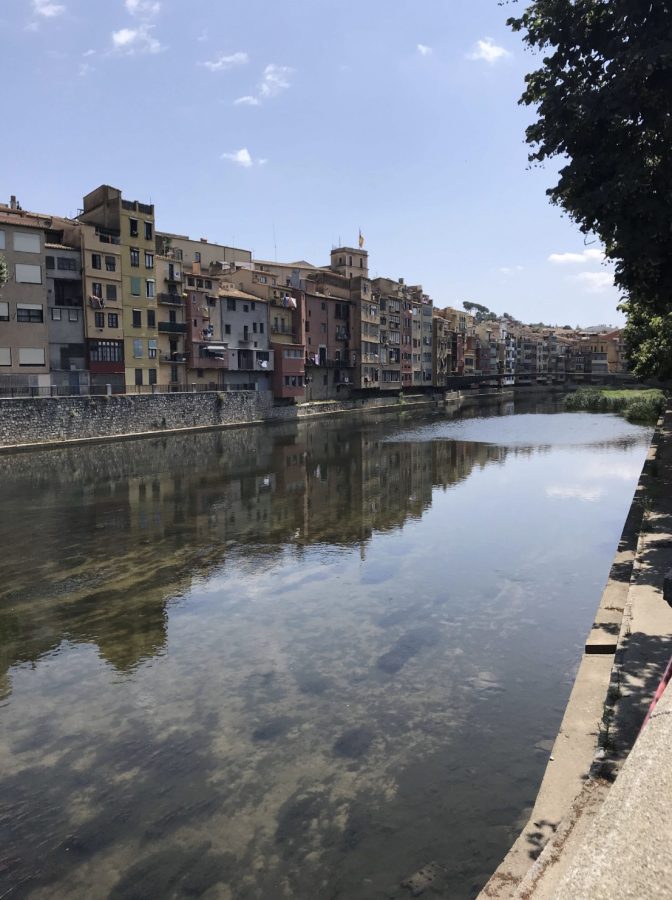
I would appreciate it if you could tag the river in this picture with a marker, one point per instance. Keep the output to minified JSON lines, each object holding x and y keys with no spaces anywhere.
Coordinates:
{"x":295,"y":661}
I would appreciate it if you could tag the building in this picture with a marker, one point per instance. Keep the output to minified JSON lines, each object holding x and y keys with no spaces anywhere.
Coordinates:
{"x":442,"y":342}
{"x":24,"y":336}
{"x":129,"y":226}
{"x":65,"y":322}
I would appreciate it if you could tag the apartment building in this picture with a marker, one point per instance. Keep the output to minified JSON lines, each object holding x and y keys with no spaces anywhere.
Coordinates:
{"x":243,"y":334}
{"x":124,"y":231}
{"x":441,"y":350}
{"x":389,"y":295}
{"x":65,"y":320}
{"x":171,"y":322}
{"x":24,"y":337}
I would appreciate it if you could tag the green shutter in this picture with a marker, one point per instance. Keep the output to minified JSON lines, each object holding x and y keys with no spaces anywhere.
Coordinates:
{"x":135,"y":287}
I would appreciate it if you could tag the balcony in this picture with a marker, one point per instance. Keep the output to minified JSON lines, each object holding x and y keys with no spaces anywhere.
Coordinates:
{"x":281,"y":328}
{"x":175,"y":359}
{"x":170,"y":299}
{"x":172,"y":327}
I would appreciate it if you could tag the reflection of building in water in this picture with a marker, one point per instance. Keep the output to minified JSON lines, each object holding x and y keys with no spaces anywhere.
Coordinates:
{"x":105,"y":537}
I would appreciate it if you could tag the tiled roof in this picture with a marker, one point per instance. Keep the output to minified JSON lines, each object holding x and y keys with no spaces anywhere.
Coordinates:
{"x":60,"y":247}
{"x":23,"y":221}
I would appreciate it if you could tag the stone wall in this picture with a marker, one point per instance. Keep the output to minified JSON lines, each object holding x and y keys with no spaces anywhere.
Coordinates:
{"x":55,"y":419}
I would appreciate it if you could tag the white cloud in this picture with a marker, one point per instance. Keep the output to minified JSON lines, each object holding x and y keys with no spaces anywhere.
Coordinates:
{"x":510,"y":270}
{"x":226,"y":62}
{"x":143,"y":8}
{"x":47,"y":9}
{"x":243,"y":158}
{"x":89,"y":53}
{"x":561,"y":492}
{"x":488,"y":51}
{"x":424,"y":50}
{"x":585,"y":256}
{"x":595,"y":282}
{"x":136,"y":40}
{"x":275,"y":80}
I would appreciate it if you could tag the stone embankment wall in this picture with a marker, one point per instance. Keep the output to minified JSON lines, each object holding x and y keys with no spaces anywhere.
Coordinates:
{"x":43,"y":420}
{"x":55,"y":420}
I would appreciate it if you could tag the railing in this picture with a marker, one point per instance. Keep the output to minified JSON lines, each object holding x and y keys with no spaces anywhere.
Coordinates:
{"x":177,"y":359}
{"x":170,"y":299}
{"x":172,"y":327}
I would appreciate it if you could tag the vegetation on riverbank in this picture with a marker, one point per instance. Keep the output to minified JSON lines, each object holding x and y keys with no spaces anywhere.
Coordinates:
{"x":636,"y":405}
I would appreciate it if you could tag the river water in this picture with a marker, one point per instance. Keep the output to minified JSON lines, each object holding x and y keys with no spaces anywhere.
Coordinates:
{"x":301,"y":661}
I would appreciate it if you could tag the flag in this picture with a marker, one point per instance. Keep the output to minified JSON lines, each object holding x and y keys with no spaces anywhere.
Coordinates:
{"x":361,"y":239}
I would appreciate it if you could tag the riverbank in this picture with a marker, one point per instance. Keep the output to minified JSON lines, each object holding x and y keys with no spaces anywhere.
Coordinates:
{"x":625,"y":656}
{"x":40,"y":423}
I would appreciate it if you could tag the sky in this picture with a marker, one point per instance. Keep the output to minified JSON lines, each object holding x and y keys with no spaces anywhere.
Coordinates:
{"x":285,"y":128}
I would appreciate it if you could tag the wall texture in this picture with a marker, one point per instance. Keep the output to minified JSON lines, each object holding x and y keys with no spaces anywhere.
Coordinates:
{"x":53,"y":420}
{"x":47,"y":419}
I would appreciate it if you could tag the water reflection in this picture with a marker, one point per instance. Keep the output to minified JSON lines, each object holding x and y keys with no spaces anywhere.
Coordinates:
{"x":292,"y":662}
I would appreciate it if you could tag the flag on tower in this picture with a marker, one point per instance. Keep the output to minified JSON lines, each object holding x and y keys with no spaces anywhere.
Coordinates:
{"x":361,"y":239}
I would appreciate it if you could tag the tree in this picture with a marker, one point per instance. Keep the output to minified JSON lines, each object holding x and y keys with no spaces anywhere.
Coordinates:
{"x":604,"y":106}
{"x":481,"y":313}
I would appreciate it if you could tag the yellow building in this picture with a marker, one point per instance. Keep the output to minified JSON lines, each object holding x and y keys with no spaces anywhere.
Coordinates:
{"x":129,"y":227}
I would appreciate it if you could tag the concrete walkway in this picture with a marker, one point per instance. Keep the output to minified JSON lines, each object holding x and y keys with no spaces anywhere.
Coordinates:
{"x":626,"y":654}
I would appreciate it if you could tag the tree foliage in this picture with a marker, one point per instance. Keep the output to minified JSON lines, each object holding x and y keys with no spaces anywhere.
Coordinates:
{"x":604,"y":106}
{"x":481,"y":313}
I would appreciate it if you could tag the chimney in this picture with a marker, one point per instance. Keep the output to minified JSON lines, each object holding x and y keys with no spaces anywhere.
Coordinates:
{"x":12,"y":202}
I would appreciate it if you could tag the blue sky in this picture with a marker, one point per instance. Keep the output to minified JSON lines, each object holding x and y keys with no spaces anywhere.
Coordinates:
{"x":294,"y":124}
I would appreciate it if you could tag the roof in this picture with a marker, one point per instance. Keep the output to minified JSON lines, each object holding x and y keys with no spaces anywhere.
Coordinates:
{"x":229,"y":290}
{"x":60,"y":247}
{"x":24,"y":220}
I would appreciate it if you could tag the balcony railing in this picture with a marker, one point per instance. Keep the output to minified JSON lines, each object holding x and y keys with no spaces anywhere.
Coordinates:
{"x":173,"y":327}
{"x":170,"y":299}
{"x":174,"y":358}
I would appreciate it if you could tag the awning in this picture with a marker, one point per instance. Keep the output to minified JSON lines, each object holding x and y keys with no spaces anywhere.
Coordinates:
{"x":214,"y":348}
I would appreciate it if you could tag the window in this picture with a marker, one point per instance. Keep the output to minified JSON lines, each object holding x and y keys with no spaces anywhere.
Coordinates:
{"x":150,"y":288}
{"x":135,"y":287}
{"x":31,"y":356}
{"x":106,"y":351}
{"x":262,"y":279}
{"x":261,"y":328}
{"x":151,"y":348}
{"x":133,"y":225}
{"x":252,"y":306}
{"x":138,"y":377}
{"x":100,"y":320}
{"x":227,"y":329}
{"x":190,"y":281}
{"x":152,"y":374}
{"x":5,"y":356}
{"x":29,"y":312}
{"x":26,"y":243}
{"x":137,"y":349}
{"x":197,"y":257}
{"x":73,"y":315}
{"x":172,"y":316}
{"x":112,"y":320}
{"x":208,"y":284}
{"x":97,"y":289}
{"x":254,"y":327}
{"x":137,"y":318}
{"x":111,"y":263}
{"x":135,"y":256}
{"x":50,"y":262}
{"x":4,"y":311}
{"x":149,"y":231}
{"x":151,"y":318}
{"x":28,"y":274}
{"x":55,"y":315}
{"x":149,"y":260}
{"x":110,"y":292}
{"x":66,"y":264}
{"x":231,"y":304}
{"x":96,"y":261}
{"x":2,"y":244}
